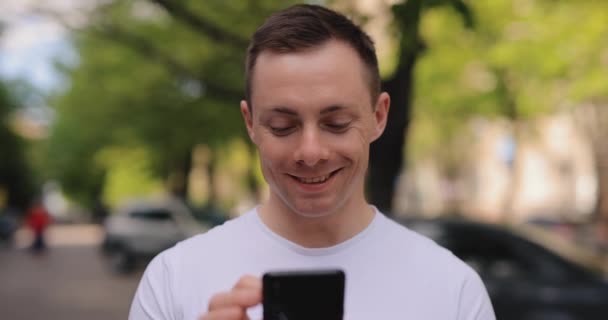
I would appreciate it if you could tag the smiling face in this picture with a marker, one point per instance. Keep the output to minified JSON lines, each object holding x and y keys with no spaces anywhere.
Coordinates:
{"x":312,"y":120}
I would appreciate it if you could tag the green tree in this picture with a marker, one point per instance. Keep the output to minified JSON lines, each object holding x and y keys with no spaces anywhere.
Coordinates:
{"x":523,"y":59}
{"x":152,"y":63}
{"x":146,"y":78}
{"x":16,"y":179}
{"x":388,"y":153}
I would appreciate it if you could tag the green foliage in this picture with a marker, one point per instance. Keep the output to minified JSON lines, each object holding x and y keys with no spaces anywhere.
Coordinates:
{"x":147,"y":78}
{"x":128,"y":175}
{"x":164,"y":76}
{"x":522,"y":59}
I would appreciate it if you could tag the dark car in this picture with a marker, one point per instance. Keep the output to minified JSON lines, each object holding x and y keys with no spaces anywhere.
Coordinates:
{"x":528,"y":273}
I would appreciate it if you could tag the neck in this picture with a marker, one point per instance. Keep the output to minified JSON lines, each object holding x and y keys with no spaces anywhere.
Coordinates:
{"x":316,"y":232}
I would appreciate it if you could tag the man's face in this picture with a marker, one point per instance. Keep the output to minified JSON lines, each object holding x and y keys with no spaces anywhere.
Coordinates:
{"x":312,"y":120}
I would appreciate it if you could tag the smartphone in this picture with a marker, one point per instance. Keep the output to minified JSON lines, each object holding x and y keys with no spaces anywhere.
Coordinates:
{"x":303,"y":295}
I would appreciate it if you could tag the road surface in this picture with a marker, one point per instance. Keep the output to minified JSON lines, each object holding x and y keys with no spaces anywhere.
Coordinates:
{"x":70,"y":281}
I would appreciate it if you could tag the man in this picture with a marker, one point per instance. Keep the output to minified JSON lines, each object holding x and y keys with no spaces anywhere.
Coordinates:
{"x":313,"y":107}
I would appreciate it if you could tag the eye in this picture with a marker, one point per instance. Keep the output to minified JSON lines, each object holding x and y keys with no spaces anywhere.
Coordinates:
{"x":282,"y":131}
{"x":337,"y":127}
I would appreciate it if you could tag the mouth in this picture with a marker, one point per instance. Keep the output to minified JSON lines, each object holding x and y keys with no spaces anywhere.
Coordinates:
{"x":315,"y":180}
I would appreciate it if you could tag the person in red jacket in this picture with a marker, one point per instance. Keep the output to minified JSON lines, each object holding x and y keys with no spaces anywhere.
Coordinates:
{"x":38,"y":219}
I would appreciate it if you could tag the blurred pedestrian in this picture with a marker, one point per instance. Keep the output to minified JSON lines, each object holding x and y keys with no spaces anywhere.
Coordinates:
{"x":38,"y":220}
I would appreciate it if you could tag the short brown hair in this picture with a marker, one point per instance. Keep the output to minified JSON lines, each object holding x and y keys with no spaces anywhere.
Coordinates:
{"x":304,"y":26}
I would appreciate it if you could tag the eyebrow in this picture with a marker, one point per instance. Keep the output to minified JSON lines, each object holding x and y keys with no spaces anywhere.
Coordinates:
{"x":331,"y":109}
{"x":288,"y":111}
{"x":284,"y":110}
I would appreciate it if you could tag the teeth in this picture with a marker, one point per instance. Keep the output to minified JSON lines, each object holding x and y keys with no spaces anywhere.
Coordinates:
{"x":314,"y":180}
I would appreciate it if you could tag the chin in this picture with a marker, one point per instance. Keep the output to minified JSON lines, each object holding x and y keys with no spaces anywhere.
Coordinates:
{"x":313,"y":211}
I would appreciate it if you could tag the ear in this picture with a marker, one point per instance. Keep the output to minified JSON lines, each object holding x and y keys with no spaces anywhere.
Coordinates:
{"x":380,"y":115}
{"x":248,"y":118}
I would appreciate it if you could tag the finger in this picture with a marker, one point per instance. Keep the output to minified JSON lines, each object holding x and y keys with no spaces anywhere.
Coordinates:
{"x":242,"y":298}
{"x":229,"y":313}
{"x":249,"y":282}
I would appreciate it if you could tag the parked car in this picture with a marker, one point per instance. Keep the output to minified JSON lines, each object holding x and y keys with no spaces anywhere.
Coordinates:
{"x":141,"y":229}
{"x":529,"y":273}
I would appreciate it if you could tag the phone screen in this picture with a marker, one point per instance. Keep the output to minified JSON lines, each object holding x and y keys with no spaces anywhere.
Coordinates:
{"x":299,"y":295}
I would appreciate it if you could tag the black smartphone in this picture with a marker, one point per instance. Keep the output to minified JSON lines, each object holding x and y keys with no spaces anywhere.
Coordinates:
{"x":303,"y":295}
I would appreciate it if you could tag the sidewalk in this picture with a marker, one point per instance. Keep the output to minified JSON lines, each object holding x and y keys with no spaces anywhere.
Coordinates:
{"x":70,"y":281}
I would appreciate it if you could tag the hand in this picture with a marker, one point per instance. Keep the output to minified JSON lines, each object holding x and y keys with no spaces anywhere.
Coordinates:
{"x":233,"y":305}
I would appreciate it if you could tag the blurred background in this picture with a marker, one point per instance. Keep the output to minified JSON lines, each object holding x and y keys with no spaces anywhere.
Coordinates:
{"x":120,"y":135}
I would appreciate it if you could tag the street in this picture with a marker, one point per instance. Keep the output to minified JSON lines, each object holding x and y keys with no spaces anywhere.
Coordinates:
{"x":69,"y":281}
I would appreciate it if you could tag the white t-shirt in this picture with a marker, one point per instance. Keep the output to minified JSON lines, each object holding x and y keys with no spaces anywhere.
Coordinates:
{"x":391,"y":273}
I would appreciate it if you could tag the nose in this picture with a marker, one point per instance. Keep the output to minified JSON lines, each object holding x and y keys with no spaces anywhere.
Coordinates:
{"x":311,"y":148}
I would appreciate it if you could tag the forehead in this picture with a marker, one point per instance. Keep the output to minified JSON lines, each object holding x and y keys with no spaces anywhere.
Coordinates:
{"x":325,"y":75}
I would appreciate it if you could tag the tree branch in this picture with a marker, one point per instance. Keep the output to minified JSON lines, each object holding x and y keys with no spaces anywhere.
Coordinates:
{"x":200,"y":25}
{"x":145,"y":48}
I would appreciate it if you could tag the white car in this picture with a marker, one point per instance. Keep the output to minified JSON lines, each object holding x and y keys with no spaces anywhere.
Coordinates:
{"x":141,"y":229}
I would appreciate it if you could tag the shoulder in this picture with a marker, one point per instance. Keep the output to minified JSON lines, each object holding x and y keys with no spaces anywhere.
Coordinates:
{"x":403,"y":238}
{"x":176,"y":281}
{"x":422,"y":251}
{"x":416,"y":274}
{"x":434,"y":264}
{"x":217,"y":239}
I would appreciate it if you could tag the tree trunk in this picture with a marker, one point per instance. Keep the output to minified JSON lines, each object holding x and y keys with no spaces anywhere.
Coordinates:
{"x":99,"y":209}
{"x":252,"y":181}
{"x":177,"y":183}
{"x":593,"y":120}
{"x":515,"y":168}
{"x":212,"y":196}
{"x":514,"y":161}
{"x":601,"y":207}
{"x":387,"y":153}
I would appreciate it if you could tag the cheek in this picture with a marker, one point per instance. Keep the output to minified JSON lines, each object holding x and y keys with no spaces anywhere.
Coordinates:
{"x":352,"y":145}
{"x":273,"y":153}
{"x":362,"y":131}
{"x":357,"y":138}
